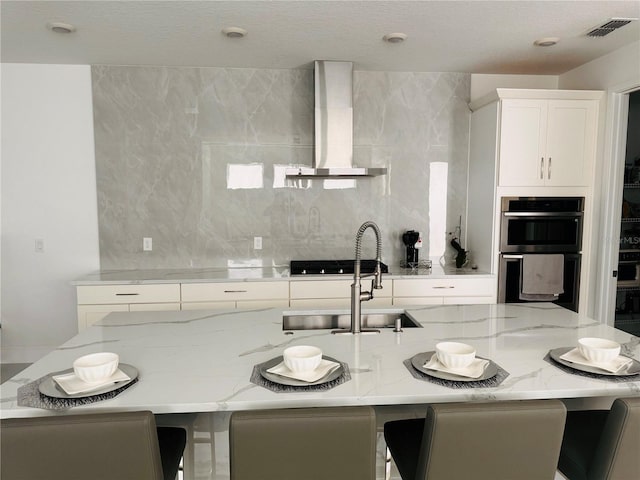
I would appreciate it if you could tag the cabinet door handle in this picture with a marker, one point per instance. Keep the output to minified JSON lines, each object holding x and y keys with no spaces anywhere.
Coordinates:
{"x":541,"y":168}
{"x":235,"y":291}
{"x":447,"y":286}
{"x":549,"y":170}
{"x":126,"y":294}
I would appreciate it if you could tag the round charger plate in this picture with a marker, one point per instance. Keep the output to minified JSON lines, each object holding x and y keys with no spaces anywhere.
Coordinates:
{"x":632,"y":369}
{"x":272,"y":377}
{"x":50,"y":388}
{"x":420,"y":359}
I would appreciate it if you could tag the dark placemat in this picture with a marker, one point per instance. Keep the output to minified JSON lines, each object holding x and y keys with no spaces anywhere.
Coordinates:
{"x":494,"y":381}
{"x":259,"y":380}
{"x":608,"y":378}
{"x":30,"y":396}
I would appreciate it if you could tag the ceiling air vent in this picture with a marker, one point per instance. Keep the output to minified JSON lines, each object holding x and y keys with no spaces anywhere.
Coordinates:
{"x":609,"y":27}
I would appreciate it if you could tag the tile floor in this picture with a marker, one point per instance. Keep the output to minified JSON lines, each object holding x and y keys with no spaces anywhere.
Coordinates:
{"x":8,"y":370}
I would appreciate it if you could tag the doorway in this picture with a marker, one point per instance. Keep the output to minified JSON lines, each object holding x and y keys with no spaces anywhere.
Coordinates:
{"x":627,"y":305}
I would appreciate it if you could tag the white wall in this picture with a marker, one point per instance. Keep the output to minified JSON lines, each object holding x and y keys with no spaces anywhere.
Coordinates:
{"x":48,"y":192}
{"x":618,"y":68}
{"x":615,"y":73}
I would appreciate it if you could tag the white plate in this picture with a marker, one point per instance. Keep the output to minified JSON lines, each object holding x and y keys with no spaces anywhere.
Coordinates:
{"x":51,"y":389}
{"x":420,"y":359}
{"x":275,"y":378}
{"x":632,"y":369}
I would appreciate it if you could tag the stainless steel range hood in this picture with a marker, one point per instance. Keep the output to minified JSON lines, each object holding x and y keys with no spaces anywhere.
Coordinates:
{"x":333,"y":125}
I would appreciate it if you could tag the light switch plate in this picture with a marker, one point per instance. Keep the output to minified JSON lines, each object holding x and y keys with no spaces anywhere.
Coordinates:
{"x":147,"y":244}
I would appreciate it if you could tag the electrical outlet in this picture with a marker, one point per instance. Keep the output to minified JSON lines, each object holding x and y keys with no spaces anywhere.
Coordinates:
{"x":257,"y":243}
{"x":147,"y":244}
{"x":39,"y":245}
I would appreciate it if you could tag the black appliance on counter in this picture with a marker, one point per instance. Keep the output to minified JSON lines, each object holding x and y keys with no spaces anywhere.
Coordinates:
{"x":540,"y":225}
{"x":333,"y":267}
{"x":412,"y":243}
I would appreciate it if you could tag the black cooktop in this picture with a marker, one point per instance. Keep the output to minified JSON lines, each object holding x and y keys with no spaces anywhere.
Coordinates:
{"x":333,"y":267}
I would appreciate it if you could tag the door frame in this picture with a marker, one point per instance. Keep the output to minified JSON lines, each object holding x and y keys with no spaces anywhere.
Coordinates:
{"x":615,"y":142}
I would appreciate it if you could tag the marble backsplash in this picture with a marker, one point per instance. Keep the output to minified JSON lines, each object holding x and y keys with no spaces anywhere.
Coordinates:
{"x":194,"y":158}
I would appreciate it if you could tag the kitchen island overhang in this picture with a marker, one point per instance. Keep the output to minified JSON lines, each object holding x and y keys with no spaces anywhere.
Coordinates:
{"x":202,"y":361}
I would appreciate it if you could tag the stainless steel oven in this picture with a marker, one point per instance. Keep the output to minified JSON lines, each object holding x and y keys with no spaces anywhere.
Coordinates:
{"x":510,"y":271}
{"x":534,"y":226}
{"x":541,"y":224}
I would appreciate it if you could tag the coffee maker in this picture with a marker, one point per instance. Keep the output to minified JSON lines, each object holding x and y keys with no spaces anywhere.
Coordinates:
{"x":413,"y":242}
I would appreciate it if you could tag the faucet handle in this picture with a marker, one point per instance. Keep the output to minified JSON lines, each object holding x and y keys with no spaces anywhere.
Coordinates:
{"x":377,"y":280}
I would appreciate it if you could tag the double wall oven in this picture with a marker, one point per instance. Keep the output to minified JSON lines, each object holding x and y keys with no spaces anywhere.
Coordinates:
{"x":540,"y":225}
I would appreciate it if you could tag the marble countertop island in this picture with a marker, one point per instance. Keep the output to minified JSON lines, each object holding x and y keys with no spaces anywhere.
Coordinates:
{"x":202,"y":361}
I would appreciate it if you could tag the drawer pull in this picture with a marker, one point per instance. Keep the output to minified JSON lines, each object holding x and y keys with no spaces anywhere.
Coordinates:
{"x":449,"y":286}
{"x":235,"y":291}
{"x":126,"y":294}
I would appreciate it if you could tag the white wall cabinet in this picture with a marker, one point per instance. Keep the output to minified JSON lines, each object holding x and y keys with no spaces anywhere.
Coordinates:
{"x":547,"y":142}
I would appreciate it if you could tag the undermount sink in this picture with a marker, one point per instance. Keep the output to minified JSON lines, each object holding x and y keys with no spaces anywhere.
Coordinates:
{"x":342,"y":320}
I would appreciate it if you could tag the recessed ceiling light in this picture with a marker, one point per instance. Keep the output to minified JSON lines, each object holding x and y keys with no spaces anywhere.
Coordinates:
{"x":395,"y":37}
{"x":546,"y":42}
{"x":60,"y":27}
{"x":234,"y":32}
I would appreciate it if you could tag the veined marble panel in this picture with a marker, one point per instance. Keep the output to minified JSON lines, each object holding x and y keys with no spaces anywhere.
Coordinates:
{"x":166,"y":136}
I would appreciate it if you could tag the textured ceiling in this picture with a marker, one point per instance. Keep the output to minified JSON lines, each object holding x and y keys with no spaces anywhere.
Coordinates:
{"x":455,"y":36}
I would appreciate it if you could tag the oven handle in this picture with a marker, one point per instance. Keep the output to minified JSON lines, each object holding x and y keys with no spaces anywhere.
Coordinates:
{"x":511,"y":256}
{"x":542,"y":214}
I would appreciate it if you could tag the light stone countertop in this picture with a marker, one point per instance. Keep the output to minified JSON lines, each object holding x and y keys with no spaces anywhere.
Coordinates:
{"x":201,"y":361}
{"x":221,"y":274}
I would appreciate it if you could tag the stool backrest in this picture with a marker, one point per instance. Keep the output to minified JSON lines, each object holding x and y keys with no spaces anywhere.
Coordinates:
{"x":121,"y":446}
{"x":492,"y":441}
{"x":617,"y":456}
{"x":337,"y":443}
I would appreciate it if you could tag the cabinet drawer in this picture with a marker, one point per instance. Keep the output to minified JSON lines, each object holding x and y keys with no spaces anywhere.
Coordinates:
{"x":90,"y":314}
{"x":333,"y":289}
{"x":154,"y":307}
{"x":443,"y":287}
{"x":469,"y":300}
{"x":107,"y":294}
{"x":408,"y":301}
{"x":222,"y":291}
{"x":321,"y":289}
{"x":342,"y":303}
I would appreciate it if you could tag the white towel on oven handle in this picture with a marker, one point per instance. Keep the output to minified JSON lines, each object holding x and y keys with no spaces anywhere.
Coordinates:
{"x":541,"y":277}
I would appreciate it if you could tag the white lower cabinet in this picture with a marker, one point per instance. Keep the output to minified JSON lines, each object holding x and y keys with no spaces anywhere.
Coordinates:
{"x":96,"y":301}
{"x":334,"y":294}
{"x":223,"y":295}
{"x":90,"y":314}
{"x":438,"y":291}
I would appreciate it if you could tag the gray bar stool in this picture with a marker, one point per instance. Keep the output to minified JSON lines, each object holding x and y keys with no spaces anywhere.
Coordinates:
{"x":126,"y":446}
{"x":337,"y":443}
{"x":480,"y":441}
{"x":603,"y":444}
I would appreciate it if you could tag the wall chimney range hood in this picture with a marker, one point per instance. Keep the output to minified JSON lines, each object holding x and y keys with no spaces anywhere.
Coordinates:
{"x":333,"y":157}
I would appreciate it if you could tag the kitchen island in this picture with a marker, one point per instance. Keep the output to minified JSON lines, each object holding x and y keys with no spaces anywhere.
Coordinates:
{"x":202,"y":361}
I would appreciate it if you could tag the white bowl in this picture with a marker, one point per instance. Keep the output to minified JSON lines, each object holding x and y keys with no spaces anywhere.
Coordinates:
{"x":302,"y":358}
{"x":598,"y":350}
{"x":455,"y":355}
{"x":96,"y":367}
